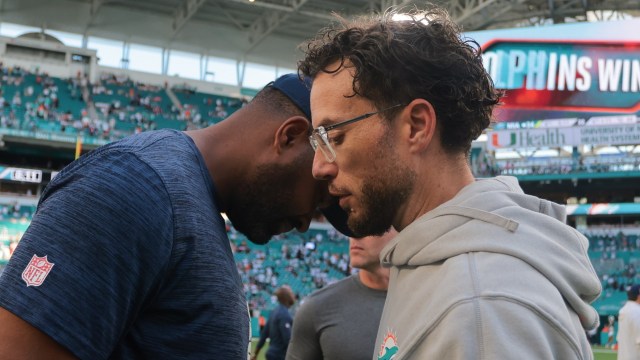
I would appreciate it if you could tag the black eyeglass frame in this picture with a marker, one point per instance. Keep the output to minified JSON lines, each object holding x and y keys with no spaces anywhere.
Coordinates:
{"x":321,"y":132}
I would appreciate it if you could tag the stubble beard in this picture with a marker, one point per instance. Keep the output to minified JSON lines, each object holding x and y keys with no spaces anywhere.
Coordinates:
{"x":382,"y":197}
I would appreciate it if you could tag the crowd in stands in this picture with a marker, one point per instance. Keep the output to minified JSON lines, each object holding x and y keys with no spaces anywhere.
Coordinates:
{"x":615,"y":254}
{"x":306,"y":262}
{"x":614,"y":251}
{"x":141,"y":107}
{"x":16,"y":211}
{"x":40,"y":102}
{"x":6,"y":249}
{"x":560,"y":165}
{"x":111,"y":108}
{"x":116,"y":106}
{"x":202,"y":109}
{"x":134,"y":106}
{"x":14,"y":220}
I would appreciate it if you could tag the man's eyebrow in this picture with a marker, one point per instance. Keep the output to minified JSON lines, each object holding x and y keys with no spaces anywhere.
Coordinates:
{"x":327,"y":121}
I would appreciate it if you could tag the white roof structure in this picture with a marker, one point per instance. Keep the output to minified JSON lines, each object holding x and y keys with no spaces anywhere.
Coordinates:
{"x":267,"y":31}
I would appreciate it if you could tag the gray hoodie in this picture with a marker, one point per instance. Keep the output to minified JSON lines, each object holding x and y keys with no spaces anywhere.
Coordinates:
{"x":491,"y":274}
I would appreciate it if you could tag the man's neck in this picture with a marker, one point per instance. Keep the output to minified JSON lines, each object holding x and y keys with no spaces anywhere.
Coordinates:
{"x":377,"y":279}
{"x":225,"y":160}
{"x":434,"y":189}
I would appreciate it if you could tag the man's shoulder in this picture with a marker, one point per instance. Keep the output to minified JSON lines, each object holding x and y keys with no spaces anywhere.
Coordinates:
{"x":148,"y":148}
{"x":168,"y":157}
{"x":280,"y":310}
{"x":154,"y":146}
{"x":284,"y":315}
{"x":631,"y":308}
{"x":149,"y":138}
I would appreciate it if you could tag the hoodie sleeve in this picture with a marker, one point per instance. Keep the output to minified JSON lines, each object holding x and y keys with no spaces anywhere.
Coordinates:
{"x":474,"y":329}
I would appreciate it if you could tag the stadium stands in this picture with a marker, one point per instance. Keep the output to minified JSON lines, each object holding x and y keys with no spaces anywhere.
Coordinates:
{"x":590,"y":164}
{"x":205,"y":109}
{"x":14,"y":220}
{"x":306,"y":262}
{"x":112,"y":108}
{"x":615,"y":255}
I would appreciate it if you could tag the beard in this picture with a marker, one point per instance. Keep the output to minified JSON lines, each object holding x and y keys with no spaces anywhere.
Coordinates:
{"x":382,"y":197}
{"x":263,"y":201}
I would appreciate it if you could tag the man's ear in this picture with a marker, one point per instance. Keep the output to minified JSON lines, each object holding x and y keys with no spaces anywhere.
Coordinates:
{"x":421,"y":123}
{"x":293,"y":131}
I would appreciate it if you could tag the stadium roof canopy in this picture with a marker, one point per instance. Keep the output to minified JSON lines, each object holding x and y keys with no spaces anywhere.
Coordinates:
{"x":266,"y":31}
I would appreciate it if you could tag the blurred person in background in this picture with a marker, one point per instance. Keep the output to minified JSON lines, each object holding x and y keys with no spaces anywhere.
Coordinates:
{"x":611,"y":329}
{"x":278,"y":328}
{"x":479,"y":270}
{"x":340,"y":322}
{"x":629,"y":326}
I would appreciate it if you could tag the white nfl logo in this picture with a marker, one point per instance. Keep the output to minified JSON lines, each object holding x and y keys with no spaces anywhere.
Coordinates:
{"x":37,"y":270}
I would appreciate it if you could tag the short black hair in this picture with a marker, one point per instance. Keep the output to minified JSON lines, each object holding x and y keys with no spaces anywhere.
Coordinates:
{"x":632,"y":293}
{"x":274,"y":101}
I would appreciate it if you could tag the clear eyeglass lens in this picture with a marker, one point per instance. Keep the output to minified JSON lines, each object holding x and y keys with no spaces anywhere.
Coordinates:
{"x":324,"y":145}
{"x":313,"y":142}
{"x":319,"y":140}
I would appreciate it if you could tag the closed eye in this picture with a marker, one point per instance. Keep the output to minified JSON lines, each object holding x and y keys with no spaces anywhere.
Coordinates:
{"x":336,"y":139}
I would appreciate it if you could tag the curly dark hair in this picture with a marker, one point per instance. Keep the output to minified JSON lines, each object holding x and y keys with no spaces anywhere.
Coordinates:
{"x":397,"y":60}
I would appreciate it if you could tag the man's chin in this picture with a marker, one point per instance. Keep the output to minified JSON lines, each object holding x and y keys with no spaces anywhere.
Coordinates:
{"x":259,"y":240}
{"x":362,"y":228}
{"x":256,"y":235}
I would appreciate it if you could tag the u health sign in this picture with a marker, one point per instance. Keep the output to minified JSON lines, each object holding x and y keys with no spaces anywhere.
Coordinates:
{"x":568,"y":136}
{"x":544,"y":77}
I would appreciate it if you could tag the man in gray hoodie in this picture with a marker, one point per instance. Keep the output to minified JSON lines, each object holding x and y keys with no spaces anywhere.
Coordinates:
{"x":480,"y":270}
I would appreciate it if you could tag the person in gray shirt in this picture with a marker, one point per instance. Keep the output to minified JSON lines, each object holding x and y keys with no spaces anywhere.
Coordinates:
{"x":341,"y":320}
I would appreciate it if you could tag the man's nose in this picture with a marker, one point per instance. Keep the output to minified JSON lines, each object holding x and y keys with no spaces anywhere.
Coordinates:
{"x":323,"y":169}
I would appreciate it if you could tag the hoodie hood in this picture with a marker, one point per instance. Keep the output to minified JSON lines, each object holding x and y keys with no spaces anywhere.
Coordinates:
{"x":494,"y":215}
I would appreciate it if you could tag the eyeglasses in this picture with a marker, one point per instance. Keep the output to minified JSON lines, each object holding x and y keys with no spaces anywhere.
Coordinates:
{"x":319,"y":137}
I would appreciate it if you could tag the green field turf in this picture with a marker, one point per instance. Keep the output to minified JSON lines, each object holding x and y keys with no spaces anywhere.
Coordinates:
{"x":264,"y":349}
{"x":599,"y":353}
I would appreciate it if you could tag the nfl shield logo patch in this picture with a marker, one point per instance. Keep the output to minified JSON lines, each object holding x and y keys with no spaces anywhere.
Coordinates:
{"x":37,"y":270}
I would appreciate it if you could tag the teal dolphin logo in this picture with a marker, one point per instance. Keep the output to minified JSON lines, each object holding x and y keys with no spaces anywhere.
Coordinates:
{"x":389,"y":353}
{"x":389,"y":347}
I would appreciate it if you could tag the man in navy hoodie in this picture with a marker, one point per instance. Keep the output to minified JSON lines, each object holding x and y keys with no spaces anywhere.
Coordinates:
{"x":278,"y":328}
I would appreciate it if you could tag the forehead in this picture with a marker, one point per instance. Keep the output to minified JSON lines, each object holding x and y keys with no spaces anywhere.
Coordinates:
{"x":331,"y":97}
